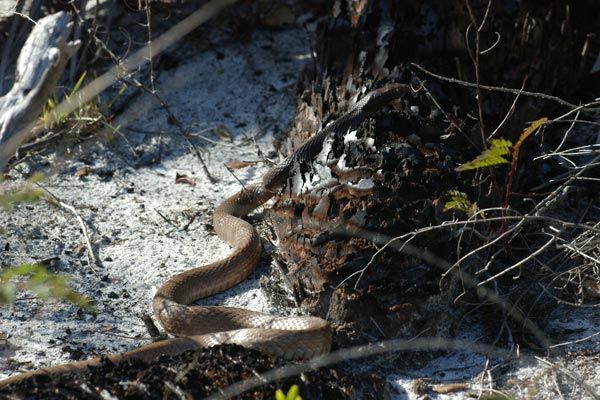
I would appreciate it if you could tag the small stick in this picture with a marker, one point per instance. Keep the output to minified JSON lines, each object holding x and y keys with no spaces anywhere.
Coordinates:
{"x":88,"y":244}
{"x":74,"y":61}
{"x":92,"y":261}
{"x":167,"y":220}
{"x":173,"y":118}
{"x":475,"y":59}
{"x":192,"y":219}
{"x":497,"y":89}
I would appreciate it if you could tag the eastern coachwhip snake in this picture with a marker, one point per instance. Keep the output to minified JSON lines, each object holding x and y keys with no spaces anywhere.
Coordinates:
{"x":199,"y":326}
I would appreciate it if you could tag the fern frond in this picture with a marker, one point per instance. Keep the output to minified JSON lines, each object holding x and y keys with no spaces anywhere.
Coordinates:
{"x":495,"y":155}
{"x":535,"y":125}
{"x":460,"y":202}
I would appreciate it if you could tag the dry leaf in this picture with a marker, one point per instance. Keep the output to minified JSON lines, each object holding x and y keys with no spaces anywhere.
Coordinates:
{"x":450,"y":388}
{"x":185,"y":179}
{"x":591,"y":287}
{"x":240,"y":164}
{"x":106,"y":328}
{"x":222,"y":133}
{"x":85,"y":171}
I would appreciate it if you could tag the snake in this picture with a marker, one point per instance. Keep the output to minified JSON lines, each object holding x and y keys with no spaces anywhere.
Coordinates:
{"x":194,"y":327}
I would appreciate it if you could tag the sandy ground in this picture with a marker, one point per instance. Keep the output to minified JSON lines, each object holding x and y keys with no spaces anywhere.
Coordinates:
{"x":134,"y":210}
{"x":136,"y":214}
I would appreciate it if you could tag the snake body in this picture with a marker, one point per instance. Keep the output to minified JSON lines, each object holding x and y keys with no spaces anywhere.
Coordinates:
{"x":200,"y":326}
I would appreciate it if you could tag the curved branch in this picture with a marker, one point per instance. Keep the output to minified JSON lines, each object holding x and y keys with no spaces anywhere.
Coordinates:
{"x":40,"y":64}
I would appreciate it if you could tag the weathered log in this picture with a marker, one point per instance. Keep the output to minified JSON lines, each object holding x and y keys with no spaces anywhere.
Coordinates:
{"x":40,"y":64}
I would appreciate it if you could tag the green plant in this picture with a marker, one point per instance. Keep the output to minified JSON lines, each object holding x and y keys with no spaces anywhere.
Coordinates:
{"x":460,"y":202}
{"x":88,"y":112}
{"x":41,"y":282}
{"x":501,"y":148}
{"x":292,"y":394}
{"x":496,"y":154}
{"x":49,"y":116}
{"x":9,"y":198}
{"x":501,"y":151}
{"x":35,"y":277}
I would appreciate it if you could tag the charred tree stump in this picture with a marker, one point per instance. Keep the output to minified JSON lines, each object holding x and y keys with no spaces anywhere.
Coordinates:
{"x":387,"y":178}
{"x":394,"y":175}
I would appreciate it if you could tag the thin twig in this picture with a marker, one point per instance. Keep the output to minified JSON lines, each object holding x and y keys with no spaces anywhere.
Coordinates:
{"x":475,"y":60}
{"x":583,"y":339}
{"x":167,"y":220}
{"x":149,"y":45}
{"x":357,"y":352}
{"x":521,"y":262}
{"x":184,"y":133}
{"x":362,"y":271}
{"x":564,"y":138}
{"x":506,"y":90}
{"x":81,"y":14}
{"x":510,"y":112}
{"x":92,"y":261}
{"x":449,"y":117}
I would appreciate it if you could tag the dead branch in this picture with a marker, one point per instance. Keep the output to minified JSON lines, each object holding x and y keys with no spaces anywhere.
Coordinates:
{"x":503,"y":89}
{"x":40,"y":64}
{"x":184,"y":133}
{"x":53,"y":199}
{"x":521,"y":262}
{"x":475,"y":59}
{"x":88,"y":244}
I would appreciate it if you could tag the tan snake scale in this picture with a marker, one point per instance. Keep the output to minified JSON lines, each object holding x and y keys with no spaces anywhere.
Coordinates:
{"x":200,"y":326}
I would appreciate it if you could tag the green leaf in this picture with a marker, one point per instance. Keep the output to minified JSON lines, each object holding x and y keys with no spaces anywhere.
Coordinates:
{"x":279,"y":395}
{"x":535,"y":125}
{"x":114,"y":99}
{"x":460,"y":202}
{"x":495,"y":155}
{"x":44,"y":284}
{"x":293,"y":393}
{"x":79,"y":82}
{"x":22,"y":195}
